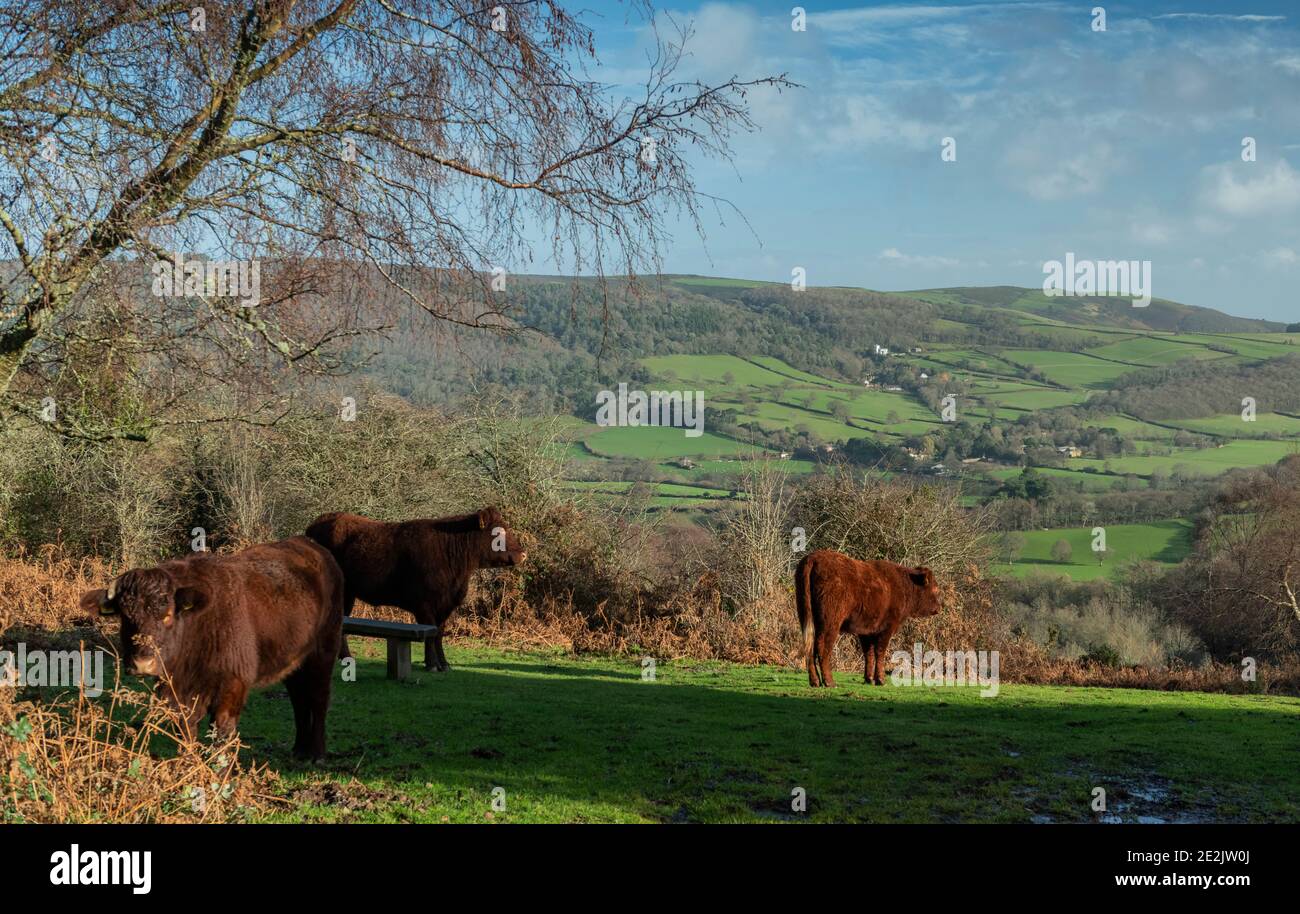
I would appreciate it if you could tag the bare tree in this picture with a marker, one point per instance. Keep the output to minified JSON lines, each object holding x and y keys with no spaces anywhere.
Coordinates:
{"x":899,"y":520}
{"x":756,"y":548}
{"x":401,"y":150}
{"x":1240,"y":588}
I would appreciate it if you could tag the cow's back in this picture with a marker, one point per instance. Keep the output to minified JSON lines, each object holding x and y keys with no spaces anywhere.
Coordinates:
{"x":273,"y":605}
{"x":368,"y":551}
{"x":405,"y":563}
{"x":848,"y":593}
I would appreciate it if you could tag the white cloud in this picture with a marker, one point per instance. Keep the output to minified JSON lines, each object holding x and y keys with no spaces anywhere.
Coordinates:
{"x":1280,"y":257}
{"x":894,"y":255}
{"x":1046,"y":168}
{"x":1251,"y":189}
{"x":1151,"y":232}
{"x":1232,"y":17}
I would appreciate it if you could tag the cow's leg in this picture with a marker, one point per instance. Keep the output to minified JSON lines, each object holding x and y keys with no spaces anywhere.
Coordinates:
{"x":814,"y":677}
{"x":826,"y":655}
{"x":191,"y":716}
{"x":869,"y":657}
{"x":882,"y":651}
{"x":433,"y":659}
{"x":229,"y":705}
{"x":443,"y":665}
{"x":309,"y":690}
{"x":437,"y":615}
{"x":188,"y":712}
{"x":299,"y":697}
{"x":320,"y":704}
{"x":427,"y":614}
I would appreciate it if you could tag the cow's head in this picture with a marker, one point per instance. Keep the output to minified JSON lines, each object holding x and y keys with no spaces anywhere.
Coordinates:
{"x":155,"y":613}
{"x":927,"y":599}
{"x":502,"y":549}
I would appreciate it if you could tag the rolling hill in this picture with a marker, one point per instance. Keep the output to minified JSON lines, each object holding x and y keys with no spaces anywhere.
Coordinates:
{"x":1101,"y":397}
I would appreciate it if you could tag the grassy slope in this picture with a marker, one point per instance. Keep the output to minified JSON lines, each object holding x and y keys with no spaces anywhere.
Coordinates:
{"x":1163,"y":541}
{"x":786,"y":397}
{"x":773,"y":394}
{"x":587,"y":740}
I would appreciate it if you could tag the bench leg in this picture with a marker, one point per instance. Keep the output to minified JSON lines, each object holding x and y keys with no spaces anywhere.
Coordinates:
{"x":399,"y":658}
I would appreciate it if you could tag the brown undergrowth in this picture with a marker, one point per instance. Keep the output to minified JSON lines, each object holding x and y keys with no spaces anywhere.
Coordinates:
{"x":118,"y":757}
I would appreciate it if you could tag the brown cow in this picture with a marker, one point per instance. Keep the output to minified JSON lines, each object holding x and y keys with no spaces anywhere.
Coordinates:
{"x":421,"y":566}
{"x":835,"y":593}
{"x":217,"y":626}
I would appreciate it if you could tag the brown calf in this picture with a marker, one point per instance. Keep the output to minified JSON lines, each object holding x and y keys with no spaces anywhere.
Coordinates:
{"x":835,"y":593}
{"x":421,"y":566}
{"x":216,"y":626}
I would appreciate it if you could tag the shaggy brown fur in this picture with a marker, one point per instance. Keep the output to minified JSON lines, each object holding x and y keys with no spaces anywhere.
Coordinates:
{"x":216,"y":626}
{"x":835,"y":593}
{"x":421,"y":566}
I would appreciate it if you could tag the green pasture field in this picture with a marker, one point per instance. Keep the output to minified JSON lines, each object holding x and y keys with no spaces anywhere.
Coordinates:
{"x":781,"y":416}
{"x":663,"y":490}
{"x":1069,"y":369}
{"x":791,"y":373}
{"x":659,"y":443}
{"x":1166,"y":541}
{"x":709,"y":371}
{"x":586,"y":739}
{"x":1036,"y":398}
{"x":1132,"y":428}
{"x":1154,"y":351}
{"x":1092,"y":482}
{"x":1201,"y":462}
{"x":1248,"y":346}
{"x":1233,"y":425}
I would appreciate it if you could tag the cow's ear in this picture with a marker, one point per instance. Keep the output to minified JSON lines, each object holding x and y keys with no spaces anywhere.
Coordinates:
{"x":920,"y":577}
{"x":191,"y":599}
{"x":488,"y":517}
{"x":97,"y":601}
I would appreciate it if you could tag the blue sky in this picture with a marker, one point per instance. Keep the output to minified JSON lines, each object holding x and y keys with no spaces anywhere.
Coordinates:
{"x":1122,"y":144}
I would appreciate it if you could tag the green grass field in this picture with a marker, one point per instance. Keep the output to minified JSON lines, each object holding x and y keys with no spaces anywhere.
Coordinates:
{"x":710,"y":372}
{"x":1153,"y":350}
{"x":1236,"y":427}
{"x":1199,"y":462}
{"x":587,"y":740}
{"x":1069,"y":369}
{"x":659,"y":443}
{"x":1091,"y":482}
{"x":1163,"y":541}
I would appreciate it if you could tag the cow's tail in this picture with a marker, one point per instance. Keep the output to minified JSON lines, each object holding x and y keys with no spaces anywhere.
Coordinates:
{"x":803,"y":603}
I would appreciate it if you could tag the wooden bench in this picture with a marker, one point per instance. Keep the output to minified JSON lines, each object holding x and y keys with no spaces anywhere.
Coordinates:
{"x":399,"y":636}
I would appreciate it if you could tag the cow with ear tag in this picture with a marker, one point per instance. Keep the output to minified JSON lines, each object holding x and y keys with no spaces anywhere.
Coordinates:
{"x":213,"y":627}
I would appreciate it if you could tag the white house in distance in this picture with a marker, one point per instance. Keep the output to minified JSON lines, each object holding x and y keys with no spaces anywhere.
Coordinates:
{"x":881,"y":350}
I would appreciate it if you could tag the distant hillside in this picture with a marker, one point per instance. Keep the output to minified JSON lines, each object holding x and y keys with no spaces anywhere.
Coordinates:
{"x":1113,"y":311}
{"x":583,"y":338}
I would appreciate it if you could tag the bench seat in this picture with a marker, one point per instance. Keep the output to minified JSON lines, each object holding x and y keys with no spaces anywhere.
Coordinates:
{"x":399,"y":636}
